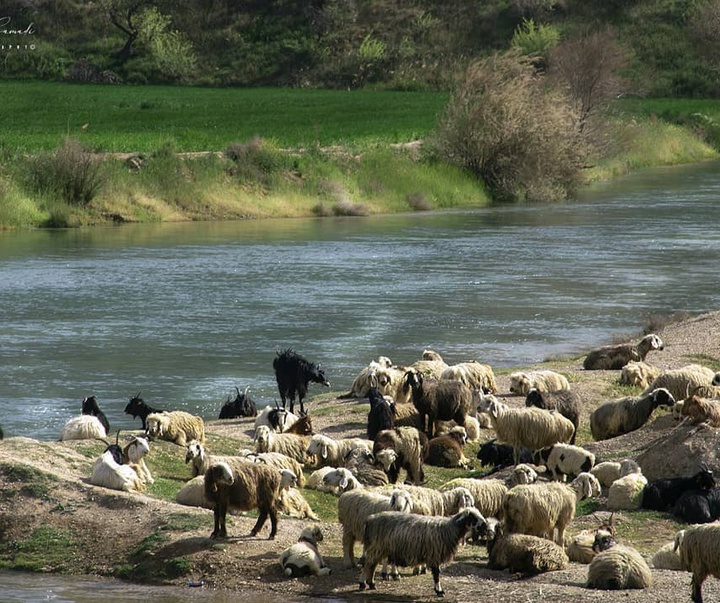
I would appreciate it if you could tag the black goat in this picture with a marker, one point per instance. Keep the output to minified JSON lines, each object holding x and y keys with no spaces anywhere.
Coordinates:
{"x":662,"y":494}
{"x":90,"y":407}
{"x":137,"y":408}
{"x":698,"y":506}
{"x":566,"y":402}
{"x":382,"y":413}
{"x":499,"y":456}
{"x":242,"y":406}
{"x":293,"y":373}
{"x":2,"y":435}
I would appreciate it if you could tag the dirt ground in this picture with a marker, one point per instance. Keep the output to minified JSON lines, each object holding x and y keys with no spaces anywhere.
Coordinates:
{"x":109,"y":529}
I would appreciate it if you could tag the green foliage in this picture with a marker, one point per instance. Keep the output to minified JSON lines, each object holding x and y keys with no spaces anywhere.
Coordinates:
{"x":45,"y":550}
{"x":535,"y":40}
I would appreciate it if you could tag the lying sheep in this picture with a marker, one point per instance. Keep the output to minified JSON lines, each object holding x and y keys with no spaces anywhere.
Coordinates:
{"x":539,"y":510}
{"x":638,"y":374}
{"x":242,"y":405}
{"x":662,"y":494}
{"x":109,"y":474}
{"x":499,"y":456}
{"x":279,"y":461}
{"x":332,"y":452}
{"x":411,"y":540}
{"x":524,"y":554}
{"x":682,"y":380}
{"x":289,"y":444}
{"x":355,"y":506}
{"x":447,"y":450}
{"x":316,"y":481}
{"x":410,"y":448}
{"x":341,"y":479}
{"x":134,"y":453}
{"x":698,"y":549}
{"x":701,"y":410}
{"x":83,"y":427}
{"x":531,"y":428}
{"x":521,"y":382}
{"x":488,"y":494}
{"x":616,"y":356}
{"x":176,"y":426}
{"x":192,"y":494}
{"x":472,"y":427}
{"x":627,"y":414}
{"x":243,"y":486}
{"x":303,"y":558}
{"x":609,"y":471}
{"x":567,"y":403}
{"x":473,"y":374}
{"x":367,"y":378}
{"x":361,"y":463}
{"x":431,"y":365}
{"x":303,"y":426}
{"x":580,"y":548}
{"x":626,"y":493}
{"x":293,"y":504}
{"x":617,"y":567}
{"x":667,"y":556}
{"x":586,"y":485}
{"x":563,"y":460}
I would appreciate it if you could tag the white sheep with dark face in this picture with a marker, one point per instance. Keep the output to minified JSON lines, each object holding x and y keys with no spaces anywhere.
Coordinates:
{"x":303,"y":558}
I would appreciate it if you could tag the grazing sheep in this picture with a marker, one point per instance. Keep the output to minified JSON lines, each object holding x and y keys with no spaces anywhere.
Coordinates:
{"x":499,"y":456}
{"x":382,"y":413}
{"x":427,"y":501}
{"x":567,"y":403}
{"x":616,"y":356}
{"x":83,"y":427}
{"x":355,"y":506}
{"x":522,"y":474}
{"x":563,"y":460}
{"x":473,"y":374}
{"x":701,"y":410}
{"x":176,"y":426}
{"x":682,"y":380}
{"x":617,"y":567}
{"x":667,"y":557}
{"x":293,"y":373}
{"x":609,"y":471}
{"x":277,"y":419}
{"x":627,"y":414}
{"x":136,"y":407}
{"x":410,"y":447}
{"x":332,"y":452}
{"x":240,"y":406}
{"x":303,"y":558}
{"x":90,"y":407}
{"x":367,"y":378}
{"x":341,"y":479}
{"x":445,"y":400}
{"x":289,"y":444}
{"x":662,"y":494}
{"x":698,"y":506}
{"x":243,"y":486}
{"x":521,"y":382}
{"x":293,"y":504}
{"x":192,"y":494}
{"x":638,"y":374}
{"x":531,"y":428}
{"x":361,"y":463}
{"x":698,"y":549}
{"x":488,"y":494}
{"x":447,"y":450}
{"x":411,"y":540}
{"x":431,"y":365}
{"x":626,"y":493}
{"x":540,"y":509}
{"x":133,"y":453}
{"x":109,"y":474}
{"x":524,"y":554}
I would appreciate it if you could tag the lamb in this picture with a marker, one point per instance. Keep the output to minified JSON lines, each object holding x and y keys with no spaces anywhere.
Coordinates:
{"x":563,"y":460}
{"x":446,"y":400}
{"x":411,"y":540}
{"x":488,"y":494}
{"x":662,"y":494}
{"x":382,"y":413}
{"x":332,"y":452}
{"x":524,"y":554}
{"x":698,"y":549}
{"x":109,"y":474}
{"x":526,"y":427}
{"x":243,"y":486}
{"x":83,"y":427}
{"x":521,"y":382}
{"x":133,"y":453}
{"x":361,"y":462}
{"x":241,"y":406}
{"x":277,"y":419}
{"x":609,"y":471}
{"x":540,"y":509}
{"x":176,"y":426}
{"x":617,"y":567}
{"x":293,"y":504}
{"x":616,"y":356}
{"x":567,"y":403}
{"x":303,"y":558}
{"x":289,"y":444}
{"x":638,"y":374}
{"x":698,"y":506}
{"x":136,"y":407}
{"x":355,"y":506}
{"x":682,"y":380}
{"x":473,"y":374}
{"x":701,"y":410}
{"x":627,"y":414}
{"x":447,"y":450}
{"x":626,"y":493}
{"x":90,"y":407}
{"x":427,"y":501}
{"x":367,"y":378}
{"x":410,"y":448}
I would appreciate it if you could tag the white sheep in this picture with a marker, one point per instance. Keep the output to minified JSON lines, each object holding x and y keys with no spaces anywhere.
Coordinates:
{"x":289,"y":444}
{"x":540,"y":509}
{"x":679,"y":382}
{"x":522,"y":474}
{"x":586,"y":485}
{"x":488,"y":494}
{"x":627,"y":414}
{"x":428,"y":501}
{"x":196,"y":454}
{"x":626,"y":493}
{"x":134,"y":453}
{"x":563,"y":460}
{"x":402,"y":448}
{"x":192,"y":493}
{"x":638,"y":374}
{"x":667,"y":556}
{"x":617,"y":567}
{"x":293,"y":504}
{"x":367,"y":378}
{"x":83,"y":427}
{"x":609,"y":471}
{"x":524,"y":554}
{"x":316,"y":481}
{"x":332,"y":452}
{"x":521,"y":382}
{"x":109,"y":474}
{"x":473,"y":374}
{"x":531,"y":427}
{"x":342,"y":480}
{"x":580,"y":548}
{"x":472,"y":426}
{"x":431,"y":364}
{"x":303,"y":558}
{"x":698,"y":548}
{"x":176,"y":426}
{"x":279,"y":461}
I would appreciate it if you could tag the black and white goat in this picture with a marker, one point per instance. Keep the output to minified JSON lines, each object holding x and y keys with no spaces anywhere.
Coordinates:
{"x":90,"y":407}
{"x":137,"y":408}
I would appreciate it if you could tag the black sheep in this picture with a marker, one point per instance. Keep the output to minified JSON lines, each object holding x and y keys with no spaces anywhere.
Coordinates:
{"x":662,"y":494}
{"x":90,"y":407}
{"x":566,"y":402}
{"x":137,"y":408}
{"x":499,"y":456}
{"x":698,"y":506}
{"x":242,"y":406}
{"x":382,"y":413}
{"x":293,"y":373}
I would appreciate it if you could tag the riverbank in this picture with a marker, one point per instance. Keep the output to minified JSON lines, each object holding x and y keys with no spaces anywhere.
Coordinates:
{"x":52,"y":520}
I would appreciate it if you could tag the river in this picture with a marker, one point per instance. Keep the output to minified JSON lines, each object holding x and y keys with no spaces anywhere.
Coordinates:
{"x":186,"y":312}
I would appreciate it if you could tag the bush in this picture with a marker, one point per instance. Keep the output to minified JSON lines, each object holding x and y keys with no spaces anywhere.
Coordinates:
{"x":506,"y":126}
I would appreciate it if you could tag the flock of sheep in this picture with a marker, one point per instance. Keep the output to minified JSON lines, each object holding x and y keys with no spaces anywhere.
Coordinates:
{"x":424,"y":414}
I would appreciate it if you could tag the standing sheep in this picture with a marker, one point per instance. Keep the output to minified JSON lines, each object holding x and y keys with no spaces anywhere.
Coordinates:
{"x":540,"y":509}
{"x":563,"y":460}
{"x":522,"y":382}
{"x":303,"y":558}
{"x":524,"y":554}
{"x":411,"y":540}
{"x":617,"y":567}
{"x":427,"y":501}
{"x":488,"y":494}
{"x":616,"y":356}
{"x":410,"y":448}
{"x":627,"y":414}
{"x":176,"y":426}
{"x":289,"y":444}
{"x":567,"y":403}
{"x":445,"y":400}
{"x":698,"y":549}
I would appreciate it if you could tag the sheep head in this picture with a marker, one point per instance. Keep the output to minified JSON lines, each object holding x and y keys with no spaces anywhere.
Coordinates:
{"x":194,"y":451}
{"x":400,"y":501}
{"x":387,"y":458}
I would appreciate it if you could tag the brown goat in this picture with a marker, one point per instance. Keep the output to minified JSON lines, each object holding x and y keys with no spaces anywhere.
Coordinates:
{"x":243,"y":486}
{"x":303,"y":426}
{"x":702,"y":410}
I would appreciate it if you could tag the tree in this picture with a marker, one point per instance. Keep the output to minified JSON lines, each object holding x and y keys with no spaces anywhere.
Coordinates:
{"x":125,"y":14}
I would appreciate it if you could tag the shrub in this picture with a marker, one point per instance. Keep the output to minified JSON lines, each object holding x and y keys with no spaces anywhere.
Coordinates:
{"x":535,"y":41}
{"x":506,"y":126}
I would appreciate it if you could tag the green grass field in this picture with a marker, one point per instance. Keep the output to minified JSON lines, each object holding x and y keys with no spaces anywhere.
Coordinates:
{"x":39,"y":115}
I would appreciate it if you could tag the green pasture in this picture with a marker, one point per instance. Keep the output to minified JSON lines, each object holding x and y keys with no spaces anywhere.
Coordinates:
{"x":39,"y":115}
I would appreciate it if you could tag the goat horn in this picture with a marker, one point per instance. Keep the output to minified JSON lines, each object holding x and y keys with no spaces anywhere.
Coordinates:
{"x":117,"y":437}
{"x":247,"y":389}
{"x":138,"y":394}
{"x":237,"y":390}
